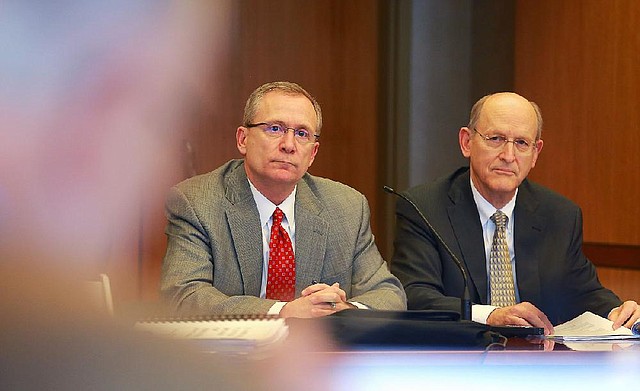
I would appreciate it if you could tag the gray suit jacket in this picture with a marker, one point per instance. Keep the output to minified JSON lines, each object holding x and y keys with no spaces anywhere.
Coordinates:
{"x":551,"y":270}
{"x":213,"y":263}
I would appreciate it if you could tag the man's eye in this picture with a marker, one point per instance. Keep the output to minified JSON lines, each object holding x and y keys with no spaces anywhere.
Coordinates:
{"x":302,"y":133}
{"x":274,"y":128}
{"x":496,"y":139}
{"x":521,"y":142}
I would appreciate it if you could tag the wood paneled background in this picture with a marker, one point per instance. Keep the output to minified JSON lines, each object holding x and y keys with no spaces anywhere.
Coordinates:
{"x":580,"y":60}
{"x":577,"y":59}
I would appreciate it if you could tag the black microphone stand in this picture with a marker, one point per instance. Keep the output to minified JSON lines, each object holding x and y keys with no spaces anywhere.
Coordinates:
{"x":465,"y":302}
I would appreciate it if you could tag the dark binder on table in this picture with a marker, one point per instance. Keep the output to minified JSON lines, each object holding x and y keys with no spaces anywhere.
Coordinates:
{"x":518,"y":331}
{"x":406,"y":329}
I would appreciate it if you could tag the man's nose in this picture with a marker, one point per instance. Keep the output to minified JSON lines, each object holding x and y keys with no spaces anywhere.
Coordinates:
{"x":288,"y":141}
{"x":508,"y":150}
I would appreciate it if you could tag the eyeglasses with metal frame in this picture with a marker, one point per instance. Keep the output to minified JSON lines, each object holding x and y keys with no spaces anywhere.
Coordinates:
{"x":497,"y":141}
{"x":276,"y":130}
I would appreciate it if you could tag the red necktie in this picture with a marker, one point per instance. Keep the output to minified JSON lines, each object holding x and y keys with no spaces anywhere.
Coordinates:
{"x":281,"y":275}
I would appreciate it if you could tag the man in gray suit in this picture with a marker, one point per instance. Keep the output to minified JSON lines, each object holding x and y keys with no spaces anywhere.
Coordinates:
{"x":220,"y":225}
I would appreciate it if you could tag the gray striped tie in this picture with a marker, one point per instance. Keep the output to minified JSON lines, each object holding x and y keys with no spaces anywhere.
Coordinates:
{"x":500,"y":272}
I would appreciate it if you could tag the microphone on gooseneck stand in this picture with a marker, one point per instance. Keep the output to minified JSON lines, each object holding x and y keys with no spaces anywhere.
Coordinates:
{"x":636,"y":328}
{"x":465,"y":308}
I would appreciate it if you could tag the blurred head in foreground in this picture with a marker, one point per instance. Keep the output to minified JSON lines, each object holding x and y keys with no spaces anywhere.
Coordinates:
{"x":92,"y":100}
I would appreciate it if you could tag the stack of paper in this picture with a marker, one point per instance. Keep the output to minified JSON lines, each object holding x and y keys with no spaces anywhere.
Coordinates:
{"x":591,"y":327}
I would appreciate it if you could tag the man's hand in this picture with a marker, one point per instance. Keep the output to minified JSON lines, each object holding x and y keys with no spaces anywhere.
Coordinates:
{"x":625,"y":315}
{"x":521,"y":314}
{"x":317,"y":300}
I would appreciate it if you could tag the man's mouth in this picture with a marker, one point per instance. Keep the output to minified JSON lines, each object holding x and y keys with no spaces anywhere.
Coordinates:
{"x":503,"y":171}
{"x":283,"y":162}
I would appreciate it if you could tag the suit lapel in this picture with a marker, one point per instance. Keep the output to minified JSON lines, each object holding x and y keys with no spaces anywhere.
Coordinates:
{"x":529,"y":227}
{"x":468,"y":231}
{"x":244,"y":225}
{"x":311,"y":237}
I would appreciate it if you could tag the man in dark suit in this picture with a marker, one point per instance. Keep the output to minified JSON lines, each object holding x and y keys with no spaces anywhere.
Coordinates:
{"x":548,"y":278}
{"x":221,"y":225}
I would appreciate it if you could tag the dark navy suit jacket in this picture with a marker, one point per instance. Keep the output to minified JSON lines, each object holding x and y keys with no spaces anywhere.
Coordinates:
{"x":551,"y":270}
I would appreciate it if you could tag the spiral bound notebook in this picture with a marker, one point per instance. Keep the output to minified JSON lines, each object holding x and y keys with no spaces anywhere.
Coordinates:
{"x":221,"y":333}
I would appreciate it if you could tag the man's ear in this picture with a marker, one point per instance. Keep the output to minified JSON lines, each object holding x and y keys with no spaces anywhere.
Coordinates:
{"x":314,"y":152}
{"x":241,"y":139}
{"x":536,"y":152}
{"x":464,"y":139}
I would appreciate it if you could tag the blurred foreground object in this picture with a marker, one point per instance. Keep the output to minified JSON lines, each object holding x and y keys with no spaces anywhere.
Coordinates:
{"x":93,"y":100}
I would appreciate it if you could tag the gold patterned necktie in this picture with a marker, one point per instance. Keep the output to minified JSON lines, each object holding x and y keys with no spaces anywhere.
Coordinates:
{"x":281,"y":273}
{"x":500,"y":272}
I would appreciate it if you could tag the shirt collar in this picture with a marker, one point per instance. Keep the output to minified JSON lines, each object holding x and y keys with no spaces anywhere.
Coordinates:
{"x":266,"y":207}
{"x":486,"y":210}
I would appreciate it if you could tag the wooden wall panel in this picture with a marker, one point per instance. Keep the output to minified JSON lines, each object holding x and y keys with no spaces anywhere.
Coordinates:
{"x":331,"y":48}
{"x":623,"y":282}
{"x":580,"y":61}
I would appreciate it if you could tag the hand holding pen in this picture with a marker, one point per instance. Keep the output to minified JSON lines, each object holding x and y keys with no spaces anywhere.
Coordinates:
{"x":328,"y":295}
{"x":316,"y":300}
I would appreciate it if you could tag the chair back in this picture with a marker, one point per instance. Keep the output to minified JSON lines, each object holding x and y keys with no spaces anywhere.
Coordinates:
{"x":100,"y":293}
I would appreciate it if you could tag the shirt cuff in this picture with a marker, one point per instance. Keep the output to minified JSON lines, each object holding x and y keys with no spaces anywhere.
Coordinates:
{"x":480,"y":312}
{"x":276,"y":308}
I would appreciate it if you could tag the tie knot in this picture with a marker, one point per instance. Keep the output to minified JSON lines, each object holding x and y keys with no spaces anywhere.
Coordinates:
{"x":277,"y":216}
{"x":500,"y":219}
